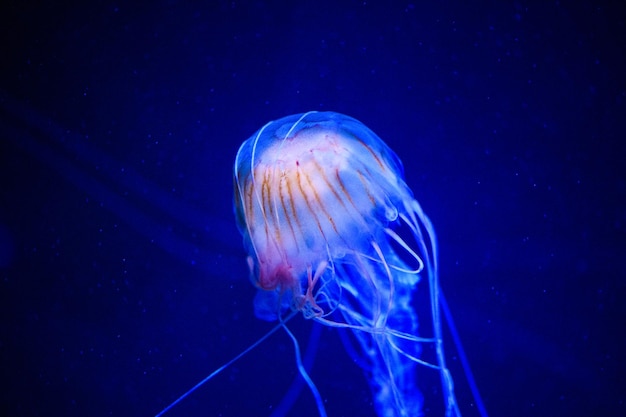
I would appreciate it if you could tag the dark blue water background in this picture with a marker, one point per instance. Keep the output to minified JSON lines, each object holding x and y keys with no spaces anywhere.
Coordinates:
{"x":122,"y":276}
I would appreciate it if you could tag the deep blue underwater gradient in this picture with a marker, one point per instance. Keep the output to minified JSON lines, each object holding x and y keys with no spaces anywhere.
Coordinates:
{"x":123,"y":278}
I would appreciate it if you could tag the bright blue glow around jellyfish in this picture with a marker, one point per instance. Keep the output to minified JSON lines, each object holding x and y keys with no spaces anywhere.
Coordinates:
{"x":333,"y":231}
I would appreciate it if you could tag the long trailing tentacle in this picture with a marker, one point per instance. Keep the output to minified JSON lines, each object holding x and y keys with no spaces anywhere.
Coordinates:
{"x":227,"y":364}
{"x":316,"y":394}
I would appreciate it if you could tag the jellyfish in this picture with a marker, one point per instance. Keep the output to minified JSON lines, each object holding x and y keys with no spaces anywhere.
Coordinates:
{"x":334,"y":233}
{"x":323,"y":207}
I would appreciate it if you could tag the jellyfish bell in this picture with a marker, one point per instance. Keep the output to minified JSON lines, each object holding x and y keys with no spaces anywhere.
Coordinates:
{"x":310,"y":188}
